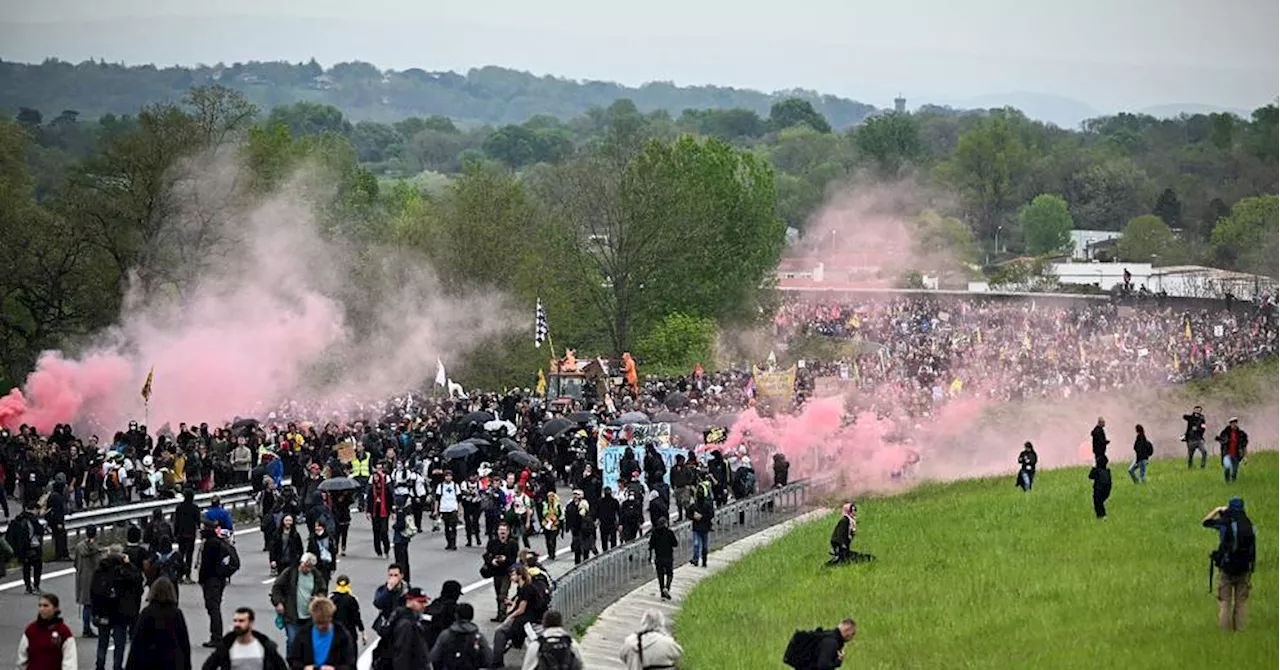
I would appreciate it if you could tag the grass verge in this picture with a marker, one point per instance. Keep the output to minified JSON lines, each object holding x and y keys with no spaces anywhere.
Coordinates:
{"x":976,"y":574}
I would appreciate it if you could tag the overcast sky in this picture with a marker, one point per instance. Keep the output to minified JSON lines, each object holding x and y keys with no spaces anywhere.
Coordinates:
{"x":1110,"y":54}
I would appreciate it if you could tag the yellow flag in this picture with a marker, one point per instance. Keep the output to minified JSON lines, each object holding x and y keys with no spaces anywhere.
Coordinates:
{"x":542,"y":383}
{"x":1187,"y":331}
{"x":1177,"y":362}
{"x":146,"y":388}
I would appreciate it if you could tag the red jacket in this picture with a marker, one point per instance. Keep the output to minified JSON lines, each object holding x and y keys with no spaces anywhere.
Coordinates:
{"x":47,"y":645}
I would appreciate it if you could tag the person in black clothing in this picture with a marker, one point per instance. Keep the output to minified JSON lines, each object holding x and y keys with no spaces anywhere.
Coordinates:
{"x":26,"y":536}
{"x":627,"y":465}
{"x":662,"y":548}
{"x":1027,"y":461}
{"x":186,"y":525}
{"x":781,"y":470}
{"x":56,"y":516}
{"x":831,"y":648}
{"x":702,"y":512}
{"x":218,"y":561}
{"x":117,"y":589}
{"x":655,"y":469}
{"x":1235,"y":559}
{"x":499,"y":556}
{"x":347,"y":613}
{"x":442,"y":610}
{"x":631,"y":517}
{"x":1100,"y":441}
{"x":523,"y":609}
{"x":1142,"y":452}
{"x":607,"y":511}
{"x":1101,"y":477}
{"x":409,"y":643}
{"x":1194,"y":436}
{"x":842,"y":535}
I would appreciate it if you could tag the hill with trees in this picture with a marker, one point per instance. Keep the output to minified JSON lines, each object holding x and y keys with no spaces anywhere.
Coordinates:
{"x":487,"y":95}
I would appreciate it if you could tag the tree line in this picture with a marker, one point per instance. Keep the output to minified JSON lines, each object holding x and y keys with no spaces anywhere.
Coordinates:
{"x":639,"y":230}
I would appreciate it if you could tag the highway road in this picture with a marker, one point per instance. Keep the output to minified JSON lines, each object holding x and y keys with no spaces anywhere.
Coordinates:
{"x":430,"y":566}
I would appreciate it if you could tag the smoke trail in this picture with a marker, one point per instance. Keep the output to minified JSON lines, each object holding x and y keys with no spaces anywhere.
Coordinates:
{"x":267,"y":306}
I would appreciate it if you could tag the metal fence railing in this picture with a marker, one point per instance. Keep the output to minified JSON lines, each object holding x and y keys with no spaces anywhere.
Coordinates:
{"x":232,"y":499}
{"x":588,"y":586}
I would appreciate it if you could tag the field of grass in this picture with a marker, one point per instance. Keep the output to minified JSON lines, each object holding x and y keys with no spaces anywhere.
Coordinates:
{"x":976,"y":574}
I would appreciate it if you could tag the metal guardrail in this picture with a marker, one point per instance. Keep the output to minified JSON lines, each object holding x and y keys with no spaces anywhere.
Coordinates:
{"x":595,"y":582}
{"x":232,"y":499}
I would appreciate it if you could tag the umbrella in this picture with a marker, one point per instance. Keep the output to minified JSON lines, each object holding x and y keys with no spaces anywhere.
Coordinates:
{"x":478,"y":441}
{"x":339,"y":484}
{"x":556,"y":426}
{"x":240,"y":424}
{"x":634,"y":417}
{"x":459,"y":450}
{"x":666,"y":417}
{"x":582,"y":417}
{"x":480,"y":417}
{"x":676,"y":400}
{"x":509,"y":444}
{"x":498,"y":424}
{"x":523,"y":459}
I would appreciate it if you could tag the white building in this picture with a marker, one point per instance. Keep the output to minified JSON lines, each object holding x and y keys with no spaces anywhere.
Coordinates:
{"x":1085,"y":243}
{"x":1183,"y":281}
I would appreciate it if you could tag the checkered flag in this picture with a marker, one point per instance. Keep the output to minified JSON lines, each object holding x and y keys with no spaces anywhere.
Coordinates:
{"x":539,"y":325}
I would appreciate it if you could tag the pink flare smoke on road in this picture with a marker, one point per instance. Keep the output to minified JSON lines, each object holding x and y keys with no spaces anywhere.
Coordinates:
{"x":59,"y":390}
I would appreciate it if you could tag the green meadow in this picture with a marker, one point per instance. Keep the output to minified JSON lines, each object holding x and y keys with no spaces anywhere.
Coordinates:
{"x":977,"y":574}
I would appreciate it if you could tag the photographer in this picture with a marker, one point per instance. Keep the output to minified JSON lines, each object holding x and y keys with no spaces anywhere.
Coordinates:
{"x":1194,"y":436}
{"x":1234,"y":558}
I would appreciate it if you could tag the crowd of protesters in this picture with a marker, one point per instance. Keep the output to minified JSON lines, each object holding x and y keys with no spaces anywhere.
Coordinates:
{"x":509,"y":471}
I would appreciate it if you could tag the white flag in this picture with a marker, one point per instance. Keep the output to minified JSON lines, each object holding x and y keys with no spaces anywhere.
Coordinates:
{"x":441,"y":378}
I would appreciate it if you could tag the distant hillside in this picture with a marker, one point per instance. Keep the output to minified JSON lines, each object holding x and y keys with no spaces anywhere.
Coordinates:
{"x":493,"y":95}
{"x":1174,"y":110}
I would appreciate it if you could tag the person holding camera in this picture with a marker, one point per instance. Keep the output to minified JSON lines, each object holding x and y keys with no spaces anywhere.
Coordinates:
{"x":1194,"y":436}
{"x":1235,"y":558}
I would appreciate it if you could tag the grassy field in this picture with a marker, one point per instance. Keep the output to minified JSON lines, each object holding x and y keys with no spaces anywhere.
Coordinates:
{"x":976,"y":574}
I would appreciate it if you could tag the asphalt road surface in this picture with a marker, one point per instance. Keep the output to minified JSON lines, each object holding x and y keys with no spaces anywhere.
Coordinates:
{"x":430,"y":566}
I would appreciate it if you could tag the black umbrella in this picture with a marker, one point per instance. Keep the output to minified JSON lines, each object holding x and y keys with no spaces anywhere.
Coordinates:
{"x":478,"y":441}
{"x":339,"y":484}
{"x":634,"y":417}
{"x":509,"y":444}
{"x":581,"y":417}
{"x":524,"y":459}
{"x":459,"y":450}
{"x":480,"y":417}
{"x":555,"y":427}
{"x":676,"y":400}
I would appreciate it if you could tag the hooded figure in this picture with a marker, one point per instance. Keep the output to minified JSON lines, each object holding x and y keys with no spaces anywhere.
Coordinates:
{"x":1101,"y":477}
{"x":442,"y":612}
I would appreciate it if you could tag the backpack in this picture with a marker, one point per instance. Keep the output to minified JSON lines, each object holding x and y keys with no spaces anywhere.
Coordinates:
{"x":102,"y":590}
{"x":555,"y":652}
{"x":802,"y":650}
{"x":1236,"y":553}
{"x":463,"y":653}
{"x":383,"y":655}
{"x":230,"y":562}
{"x":542,"y":590}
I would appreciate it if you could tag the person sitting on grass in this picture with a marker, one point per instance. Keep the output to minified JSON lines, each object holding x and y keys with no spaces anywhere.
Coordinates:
{"x":842,"y":537}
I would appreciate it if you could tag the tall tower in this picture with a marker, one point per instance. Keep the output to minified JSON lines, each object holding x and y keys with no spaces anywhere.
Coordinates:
{"x":900,"y":104}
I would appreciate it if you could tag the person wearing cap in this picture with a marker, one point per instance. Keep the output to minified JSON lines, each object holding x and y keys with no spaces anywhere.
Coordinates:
{"x":348,"y":608}
{"x":87,"y":555}
{"x":1235,"y":559}
{"x":408,"y":632}
{"x":1234,"y":442}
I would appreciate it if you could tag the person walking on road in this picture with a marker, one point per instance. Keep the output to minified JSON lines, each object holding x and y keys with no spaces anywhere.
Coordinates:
{"x":56,"y":515}
{"x":461,"y":644}
{"x":554,"y":647}
{"x":322,"y":644}
{"x":381,"y":506}
{"x":47,"y":643}
{"x":292,"y":592}
{"x":702,"y":512}
{"x":662,"y":551}
{"x":26,"y":536}
{"x":116,"y":591}
{"x":387,"y":598}
{"x":499,"y":557}
{"x":245,"y":648}
{"x":347,"y":612}
{"x":1142,"y":452}
{"x":447,"y":506}
{"x":160,"y":639}
{"x":651,"y":646}
{"x":87,"y":555}
{"x":408,"y":643}
{"x":1235,"y":558}
{"x":218,"y":562}
{"x":186,"y":526}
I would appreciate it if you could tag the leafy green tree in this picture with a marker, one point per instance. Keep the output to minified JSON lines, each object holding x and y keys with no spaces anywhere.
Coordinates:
{"x":1145,"y":237}
{"x":1247,"y":237}
{"x":1168,"y":208}
{"x":988,"y":160}
{"x":1106,"y":195}
{"x":309,"y":118}
{"x":890,"y":141}
{"x":727,"y":124}
{"x":796,"y":111}
{"x":1046,"y":224}
{"x":676,"y":344}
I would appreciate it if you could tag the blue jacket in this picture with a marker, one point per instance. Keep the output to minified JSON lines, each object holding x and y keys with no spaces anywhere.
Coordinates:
{"x":219,"y":515}
{"x":275,"y":470}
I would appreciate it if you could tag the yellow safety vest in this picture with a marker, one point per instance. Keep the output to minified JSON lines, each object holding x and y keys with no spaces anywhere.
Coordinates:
{"x":360,"y":468}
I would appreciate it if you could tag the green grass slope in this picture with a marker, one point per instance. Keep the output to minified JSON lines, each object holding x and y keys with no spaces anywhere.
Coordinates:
{"x":976,"y":574}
